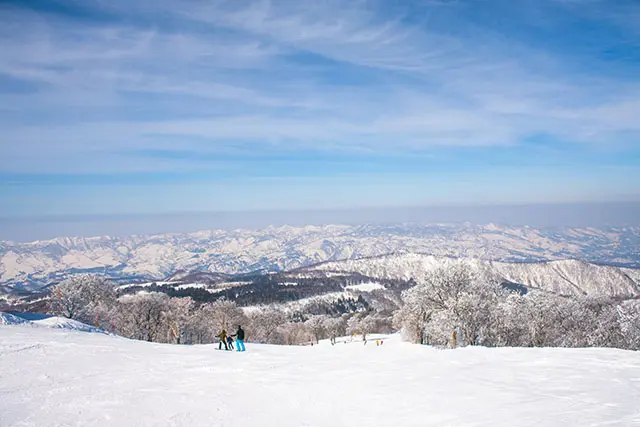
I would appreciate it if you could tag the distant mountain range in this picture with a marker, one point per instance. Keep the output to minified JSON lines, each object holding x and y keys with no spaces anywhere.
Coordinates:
{"x":31,"y":266}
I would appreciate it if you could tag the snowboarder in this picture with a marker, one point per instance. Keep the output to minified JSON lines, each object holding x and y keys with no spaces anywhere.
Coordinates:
{"x":230,"y":342}
{"x":239,"y":338}
{"x":223,"y":340}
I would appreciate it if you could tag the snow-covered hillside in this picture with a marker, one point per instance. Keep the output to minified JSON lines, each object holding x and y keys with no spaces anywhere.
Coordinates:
{"x":55,"y":377}
{"x":12,"y":319}
{"x":46,"y":321}
{"x":568,"y":277}
{"x":35,"y":264}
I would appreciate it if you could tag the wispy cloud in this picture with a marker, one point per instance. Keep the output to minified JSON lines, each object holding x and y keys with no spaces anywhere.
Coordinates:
{"x":85,"y":88}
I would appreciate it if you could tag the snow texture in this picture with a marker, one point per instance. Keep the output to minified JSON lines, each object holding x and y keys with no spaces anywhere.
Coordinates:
{"x":54,"y":377}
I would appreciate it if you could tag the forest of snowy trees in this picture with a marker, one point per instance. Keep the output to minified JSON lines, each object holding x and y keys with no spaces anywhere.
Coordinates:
{"x":157,"y":317}
{"x":482,"y":312}
{"x":445,"y":303}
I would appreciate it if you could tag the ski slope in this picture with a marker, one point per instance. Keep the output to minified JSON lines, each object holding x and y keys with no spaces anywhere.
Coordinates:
{"x":58,"y":377}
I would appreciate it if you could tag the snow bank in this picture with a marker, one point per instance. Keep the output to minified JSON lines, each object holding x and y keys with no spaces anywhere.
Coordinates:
{"x":11,"y":319}
{"x":53,"y":377}
{"x":64,"y":323}
{"x":46,"y":321}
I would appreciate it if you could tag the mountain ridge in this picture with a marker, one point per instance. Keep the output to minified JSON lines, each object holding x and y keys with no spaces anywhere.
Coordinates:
{"x":153,"y":257}
{"x":565,"y":277}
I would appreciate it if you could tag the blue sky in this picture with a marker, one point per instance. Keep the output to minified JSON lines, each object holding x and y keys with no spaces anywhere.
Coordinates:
{"x":123,"y":107}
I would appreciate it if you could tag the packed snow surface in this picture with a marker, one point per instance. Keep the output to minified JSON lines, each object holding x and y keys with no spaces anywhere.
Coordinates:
{"x":56,"y":377}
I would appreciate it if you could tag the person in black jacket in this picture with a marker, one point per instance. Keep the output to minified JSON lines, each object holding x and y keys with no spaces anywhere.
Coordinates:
{"x":239,"y":338}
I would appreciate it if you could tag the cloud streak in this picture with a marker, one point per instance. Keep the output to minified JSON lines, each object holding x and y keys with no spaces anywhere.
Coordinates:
{"x":92,"y":88}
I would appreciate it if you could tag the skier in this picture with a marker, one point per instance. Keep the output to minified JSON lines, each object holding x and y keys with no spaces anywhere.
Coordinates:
{"x":230,"y":342}
{"x":223,"y":340}
{"x":239,"y":338}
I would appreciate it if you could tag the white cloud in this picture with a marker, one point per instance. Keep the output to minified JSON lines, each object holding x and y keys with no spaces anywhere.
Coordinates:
{"x":235,"y":72}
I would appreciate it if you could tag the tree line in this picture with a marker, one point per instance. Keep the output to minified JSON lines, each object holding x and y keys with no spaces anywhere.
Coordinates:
{"x":446,"y":307}
{"x":158,"y":317}
{"x":458,"y":304}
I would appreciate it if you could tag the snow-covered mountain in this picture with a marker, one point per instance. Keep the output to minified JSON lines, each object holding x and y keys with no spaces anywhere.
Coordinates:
{"x":36,"y":264}
{"x":565,"y":277}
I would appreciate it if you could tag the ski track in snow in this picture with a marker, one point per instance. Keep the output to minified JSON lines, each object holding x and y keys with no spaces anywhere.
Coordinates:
{"x":71,"y":378}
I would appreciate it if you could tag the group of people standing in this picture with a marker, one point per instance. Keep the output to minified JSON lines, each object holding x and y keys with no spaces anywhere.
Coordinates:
{"x":227,"y":340}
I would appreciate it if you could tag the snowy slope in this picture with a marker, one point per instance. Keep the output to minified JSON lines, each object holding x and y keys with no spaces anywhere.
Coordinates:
{"x":11,"y":319}
{"x":54,"y":377}
{"x":154,"y":257}
{"x":568,"y":277}
{"x":64,"y":323}
{"x":46,"y":321}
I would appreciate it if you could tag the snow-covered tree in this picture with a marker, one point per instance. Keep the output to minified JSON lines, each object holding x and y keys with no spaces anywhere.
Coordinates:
{"x":177,"y":317}
{"x":199,"y":328}
{"x":265,"y":322}
{"x":510,"y":327}
{"x":143,"y":316}
{"x":447,"y":299}
{"x":224,"y":314}
{"x":414,"y":315}
{"x":335,"y":326}
{"x":86,"y":298}
{"x":362,"y":324}
{"x":316,"y":326}
{"x":294,"y":333}
{"x":629,"y":320}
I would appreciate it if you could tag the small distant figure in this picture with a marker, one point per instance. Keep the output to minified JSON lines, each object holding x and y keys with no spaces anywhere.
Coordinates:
{"x":223,"y":340}
{"x":230,"y":342}
{"x":377,"y":343}
{"x":333,"y":339}
{"x":239,"y":339}
{"x":454,"y":337}
{"x":381,"y":342}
